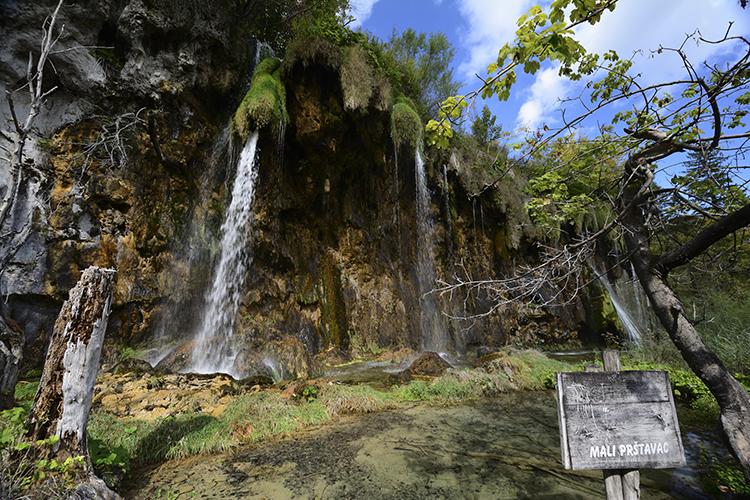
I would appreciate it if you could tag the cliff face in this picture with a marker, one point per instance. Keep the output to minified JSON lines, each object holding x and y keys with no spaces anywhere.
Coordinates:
{"x":136,"y":178}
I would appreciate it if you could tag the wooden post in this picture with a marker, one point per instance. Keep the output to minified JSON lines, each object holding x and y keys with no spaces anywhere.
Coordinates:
{"x":625,"y":483}
{"x":612,"y":478}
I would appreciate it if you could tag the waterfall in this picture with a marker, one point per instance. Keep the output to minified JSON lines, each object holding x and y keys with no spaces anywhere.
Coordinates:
{"x":448,"y":219}
{"x":434,"y":336}
{"x":213,"y":350}
{"x":627,"y":298}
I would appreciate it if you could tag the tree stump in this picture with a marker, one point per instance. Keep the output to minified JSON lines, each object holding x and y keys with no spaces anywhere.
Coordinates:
{"x":62,"y":402}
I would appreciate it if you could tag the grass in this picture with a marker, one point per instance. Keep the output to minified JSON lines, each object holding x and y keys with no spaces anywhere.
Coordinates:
{"x":253,"y":417}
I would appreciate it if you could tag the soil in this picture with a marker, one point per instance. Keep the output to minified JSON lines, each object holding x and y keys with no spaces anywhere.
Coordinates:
{"x":502,"y":448}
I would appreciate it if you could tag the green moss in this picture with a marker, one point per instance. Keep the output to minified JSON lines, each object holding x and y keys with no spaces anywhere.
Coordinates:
{"x":264,"y":104}
{"x":406,"y":126}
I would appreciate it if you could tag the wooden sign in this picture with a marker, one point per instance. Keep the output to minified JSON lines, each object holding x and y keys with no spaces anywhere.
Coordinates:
{"x":618,"y":420}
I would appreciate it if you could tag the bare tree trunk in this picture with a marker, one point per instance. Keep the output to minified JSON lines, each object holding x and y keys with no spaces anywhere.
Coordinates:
{"x":733,"y":399}
{"x":62,"y":402}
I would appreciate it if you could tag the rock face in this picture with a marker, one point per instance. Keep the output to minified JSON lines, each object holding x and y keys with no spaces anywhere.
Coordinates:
{"x":139,"y":184}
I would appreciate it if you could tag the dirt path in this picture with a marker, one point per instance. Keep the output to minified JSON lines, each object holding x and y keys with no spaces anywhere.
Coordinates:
{"x":488,"y":450}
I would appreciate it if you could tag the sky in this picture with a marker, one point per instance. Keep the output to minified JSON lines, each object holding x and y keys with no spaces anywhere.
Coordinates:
{"x":479,"y":28}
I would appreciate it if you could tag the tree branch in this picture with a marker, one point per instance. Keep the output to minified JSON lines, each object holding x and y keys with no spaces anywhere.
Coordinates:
{"x":702,"y":241}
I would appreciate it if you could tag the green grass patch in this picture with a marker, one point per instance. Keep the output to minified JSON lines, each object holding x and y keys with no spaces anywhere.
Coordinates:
{"x":25,"y":392}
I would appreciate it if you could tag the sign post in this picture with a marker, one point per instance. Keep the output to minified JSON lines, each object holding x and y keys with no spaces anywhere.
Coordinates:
{"x":619,"y":422}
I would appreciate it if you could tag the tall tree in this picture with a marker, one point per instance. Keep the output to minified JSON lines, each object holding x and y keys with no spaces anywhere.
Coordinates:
{"x":700,"y":112}
{"x":484,"y":130}
{"x":427,"y":60}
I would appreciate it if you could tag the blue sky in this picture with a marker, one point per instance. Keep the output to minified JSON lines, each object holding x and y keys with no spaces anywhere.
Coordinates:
{"x":478,"y":28}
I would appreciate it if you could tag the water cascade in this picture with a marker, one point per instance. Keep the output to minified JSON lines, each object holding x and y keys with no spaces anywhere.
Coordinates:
{"x":448,"y":219}
{"x":434,"y":334}
{"x":630,"y":304}
{"x":213,"y":350}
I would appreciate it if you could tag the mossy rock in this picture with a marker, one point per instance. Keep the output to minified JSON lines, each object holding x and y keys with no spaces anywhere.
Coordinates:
{"x":264,"y":104}
{"x":406,"y":126}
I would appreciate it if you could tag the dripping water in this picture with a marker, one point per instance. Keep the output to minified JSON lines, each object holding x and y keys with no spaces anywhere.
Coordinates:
{"x":213,"y":350}
{"x":624,"y":294}
{"x":434,"y":337}
{"x":448,"y":212}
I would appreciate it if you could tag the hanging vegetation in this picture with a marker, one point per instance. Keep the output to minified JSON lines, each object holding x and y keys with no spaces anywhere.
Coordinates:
{"x":406,"y":126}
{"x":264,"y":104}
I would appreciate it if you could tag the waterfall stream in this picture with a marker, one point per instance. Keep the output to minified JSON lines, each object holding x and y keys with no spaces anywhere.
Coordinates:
{"x":630,"y":304}
{"x":213,"y":350}
{"x":434,"y":334}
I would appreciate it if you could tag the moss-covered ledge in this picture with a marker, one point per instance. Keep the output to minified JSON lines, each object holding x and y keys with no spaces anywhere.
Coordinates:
{"x":265,"y":102}
{"x":406,"y":126}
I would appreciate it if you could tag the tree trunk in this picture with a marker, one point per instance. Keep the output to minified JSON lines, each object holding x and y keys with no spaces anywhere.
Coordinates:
{"x":733,"y":399}
{"x":62,"y":402}
{"x":11,"y":351}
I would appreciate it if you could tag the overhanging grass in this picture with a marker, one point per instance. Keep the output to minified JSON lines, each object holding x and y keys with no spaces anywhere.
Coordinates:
{"x":406,"y":126}
{"x":265,"y":102}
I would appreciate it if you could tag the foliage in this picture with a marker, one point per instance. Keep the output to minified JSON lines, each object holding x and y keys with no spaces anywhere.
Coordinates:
{"x":109,"y":463}
{"x":406,"y":126}
{"x":724,"y":324}
{"x":484,"y":130}
{"x":439,"y":132}
{"x":25,"y":392}
{"x":540,"y":37}
{"x":357,"y":79}
{"x":425,"y":61}
{"x":723,"y":476}
{"x":280,"y":22}
{"x":568,"y":177}
{"x":265,"y":102}
{"x":22,"y":472}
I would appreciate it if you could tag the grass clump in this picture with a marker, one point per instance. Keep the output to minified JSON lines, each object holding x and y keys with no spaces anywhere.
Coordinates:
{"x":500,"y":372}
{"x":406,"y":126}
{"x":261,"y":415}
{"x":357,"y":80}
{"x":265,"y":102}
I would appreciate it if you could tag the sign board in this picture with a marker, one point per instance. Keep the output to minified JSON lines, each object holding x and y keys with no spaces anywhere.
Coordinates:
{"x":618,"y":420}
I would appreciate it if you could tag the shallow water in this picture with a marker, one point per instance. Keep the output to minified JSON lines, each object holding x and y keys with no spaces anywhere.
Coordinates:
{"x":500,"y":448}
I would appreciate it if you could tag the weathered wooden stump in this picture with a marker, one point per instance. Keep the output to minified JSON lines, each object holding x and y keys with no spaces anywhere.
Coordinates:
{"x":62,"y":402}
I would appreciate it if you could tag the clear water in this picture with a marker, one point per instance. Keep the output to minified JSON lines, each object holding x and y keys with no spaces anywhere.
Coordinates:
{"x":501,"y":448}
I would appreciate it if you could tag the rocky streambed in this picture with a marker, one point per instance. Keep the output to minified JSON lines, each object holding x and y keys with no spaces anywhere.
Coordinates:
{"x":497,"y":448}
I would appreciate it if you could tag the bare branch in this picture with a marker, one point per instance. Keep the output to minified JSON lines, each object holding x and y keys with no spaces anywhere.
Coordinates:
{"x":702,"y":241}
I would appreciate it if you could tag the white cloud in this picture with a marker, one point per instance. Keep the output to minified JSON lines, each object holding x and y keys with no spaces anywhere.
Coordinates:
{"x":543,"y":101}
{"x":361,"y":10}
{"x":491,"y":24}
